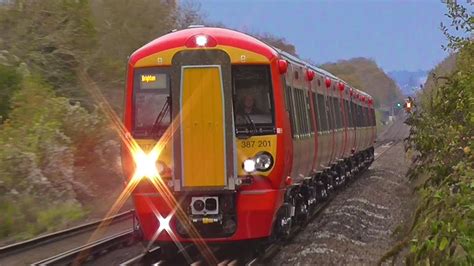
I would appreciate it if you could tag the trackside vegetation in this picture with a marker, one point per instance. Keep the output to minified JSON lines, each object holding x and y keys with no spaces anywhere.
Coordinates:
{"x":58,"y":154}
{"x":442,"y":139}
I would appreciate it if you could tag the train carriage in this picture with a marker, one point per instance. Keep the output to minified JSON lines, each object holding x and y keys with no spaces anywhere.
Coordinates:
{"x":248,"y":138}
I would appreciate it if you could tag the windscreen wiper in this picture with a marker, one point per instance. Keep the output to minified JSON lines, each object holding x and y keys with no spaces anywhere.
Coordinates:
{"x":251,"y":128}
{"x":164,"y":110}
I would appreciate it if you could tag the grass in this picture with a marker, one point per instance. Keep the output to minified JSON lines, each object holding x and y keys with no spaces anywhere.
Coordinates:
{"x":25,"y":218}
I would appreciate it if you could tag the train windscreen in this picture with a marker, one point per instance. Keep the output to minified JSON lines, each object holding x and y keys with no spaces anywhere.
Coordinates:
{"x":253,"y":99}
{"x":151,"y":102}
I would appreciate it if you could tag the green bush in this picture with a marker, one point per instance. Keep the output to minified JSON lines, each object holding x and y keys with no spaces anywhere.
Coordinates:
{"x":9,"y":82}
{"x":53,"y":156}
{"x":443,"y":231}
{"x":442,"y":137}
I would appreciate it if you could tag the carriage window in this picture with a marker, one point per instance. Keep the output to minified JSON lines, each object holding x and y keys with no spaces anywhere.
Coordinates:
{"x":348,"y":113}
{"x":337,"y":112}
{"x":364,"y":116}
{"x":331,"y":115}
{"x":354,"y":114}
{"x":360,"y":118}
{"x":374,"y":121}
{"x":253,"y":99}
{"x":305,"y":112}
{"x":151,"y":114}
{"x":367,"y":116}
{"x":316,"y":111}
{"x":322,"y":109}
{"x":309,"y":117}
{"x":291,"y":109}
{"x":298,"y":114}
{"x":302,"y":112}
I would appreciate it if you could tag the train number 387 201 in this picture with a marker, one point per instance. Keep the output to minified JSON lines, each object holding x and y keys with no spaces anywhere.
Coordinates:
{"x":255,"y":143}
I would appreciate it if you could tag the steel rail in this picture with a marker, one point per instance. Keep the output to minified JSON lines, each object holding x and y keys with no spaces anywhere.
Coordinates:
{"x":56,"y":236}
{"x":80,"y":254}
{"x":142,"y":257}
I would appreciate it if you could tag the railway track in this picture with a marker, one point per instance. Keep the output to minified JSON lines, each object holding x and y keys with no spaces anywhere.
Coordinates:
{"x":88,"y":251}
{"x":26,"y":252}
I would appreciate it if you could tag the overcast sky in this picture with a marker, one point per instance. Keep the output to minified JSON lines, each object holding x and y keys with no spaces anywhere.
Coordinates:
{"x":398,"y":34}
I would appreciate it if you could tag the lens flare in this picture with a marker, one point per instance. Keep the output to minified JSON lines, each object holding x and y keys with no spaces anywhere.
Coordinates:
{"x":146,"y":163}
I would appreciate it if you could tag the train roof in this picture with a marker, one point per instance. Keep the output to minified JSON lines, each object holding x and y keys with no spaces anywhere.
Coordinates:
{"x":320,"y":71}
{"x":229,"y":37}
{"x":222,"y":36}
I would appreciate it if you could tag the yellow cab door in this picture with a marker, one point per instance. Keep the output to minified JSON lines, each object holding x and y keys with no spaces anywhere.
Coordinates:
{"x":202,"y":127}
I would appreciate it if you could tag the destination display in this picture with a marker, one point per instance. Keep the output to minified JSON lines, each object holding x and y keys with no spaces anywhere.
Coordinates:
{"x":153,"y":81}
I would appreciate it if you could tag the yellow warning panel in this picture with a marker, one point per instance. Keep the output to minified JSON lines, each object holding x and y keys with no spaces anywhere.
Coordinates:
{"x":202,"y":127}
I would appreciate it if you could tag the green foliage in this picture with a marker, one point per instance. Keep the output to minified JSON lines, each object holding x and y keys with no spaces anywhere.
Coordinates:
{"x":51,"y":152}
{"x":25,"y":217}
{"x":56,"y":33}
{"x":9,"y":83}
{"x":56,"y":151}
{"x":443,"y":137}
{"x":461,"y":20}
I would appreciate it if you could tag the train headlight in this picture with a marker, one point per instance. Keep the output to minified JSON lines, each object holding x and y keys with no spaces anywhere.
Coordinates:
{"x":263,"y":161}
{"x":201,"y":40}
{"x":249,"y":165}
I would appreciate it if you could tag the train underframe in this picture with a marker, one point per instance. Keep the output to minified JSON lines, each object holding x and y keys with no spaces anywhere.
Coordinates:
{"x":302,"y":199}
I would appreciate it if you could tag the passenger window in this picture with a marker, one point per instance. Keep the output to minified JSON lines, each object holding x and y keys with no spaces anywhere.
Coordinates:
{"x":337,"y":109}
{"x":348,"y":113}
{"x":323,"y":112}
{"x":316,"y":111}
{"x":374,"y":121}
{"x":354,"y":114}
{"x":291,"y":109}
{"x":302,"y":112}
{"x":331,"y":115}
{"x":367,"y":117}
{"x":307,"y":107}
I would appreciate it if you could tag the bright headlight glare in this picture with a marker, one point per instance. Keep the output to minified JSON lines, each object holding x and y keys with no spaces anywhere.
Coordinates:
{"x":249,"y":165}
{"x":201,"y":40}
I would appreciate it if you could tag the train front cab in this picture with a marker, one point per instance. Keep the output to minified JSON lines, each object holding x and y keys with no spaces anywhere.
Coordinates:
{"x":189,"y":99}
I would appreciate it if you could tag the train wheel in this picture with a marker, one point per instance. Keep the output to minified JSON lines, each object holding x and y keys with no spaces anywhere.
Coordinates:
{"x":329,"y":183}
{"x":342,"y":174}
{"x":348,"y":168}
{"x":321,"y":189}
{"x":283,"y":222}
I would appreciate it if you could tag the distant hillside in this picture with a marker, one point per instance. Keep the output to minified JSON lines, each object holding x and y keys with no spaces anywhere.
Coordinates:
{"x":444,"y":68}
{"x":364,"y":74}
{"x":409,"y":81}
{"x":436,"y":76}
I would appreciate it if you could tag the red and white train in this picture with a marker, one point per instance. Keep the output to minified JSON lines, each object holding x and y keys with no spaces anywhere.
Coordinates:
{"x":251,"y":138}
